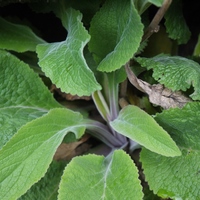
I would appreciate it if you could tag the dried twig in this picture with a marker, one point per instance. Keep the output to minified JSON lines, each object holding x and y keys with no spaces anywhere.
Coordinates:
{"x":154,"y":27}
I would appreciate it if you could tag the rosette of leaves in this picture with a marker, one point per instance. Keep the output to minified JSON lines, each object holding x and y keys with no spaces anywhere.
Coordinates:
{"x":33,"y":124}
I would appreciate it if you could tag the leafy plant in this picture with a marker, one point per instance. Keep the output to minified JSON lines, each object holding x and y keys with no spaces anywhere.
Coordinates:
{"x":105,"y":44}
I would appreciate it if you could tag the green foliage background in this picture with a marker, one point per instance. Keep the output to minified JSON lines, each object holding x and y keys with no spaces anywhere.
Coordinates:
{"x":82,"y":48}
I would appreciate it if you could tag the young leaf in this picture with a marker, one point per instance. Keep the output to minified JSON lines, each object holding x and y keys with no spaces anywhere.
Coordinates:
{"x":63,"y":61}
{"x":95,"y":177}
{"x":175,"y":23}
{"x":17,"y":37}
{"x":27,"y":156}
{"x":176,"y":178}
{"x":23,"y":96}
{"x":176,"y":73}
{"x":47,"y":187}
{"x":142,"y":128}
{"x":116,"y":32}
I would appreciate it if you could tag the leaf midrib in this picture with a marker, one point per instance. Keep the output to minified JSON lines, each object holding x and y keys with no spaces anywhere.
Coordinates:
{"x":25,"y":107}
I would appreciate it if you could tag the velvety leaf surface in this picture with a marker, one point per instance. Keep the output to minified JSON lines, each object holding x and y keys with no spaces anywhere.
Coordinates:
{"x":23,"y":96}
{"x":64,"y":63}
{"x":17,"y":37}
{"x":176,"y":178}
{"x":47,"y":187}
{"x":176,"y":73}
{"x":116,"y":32}
{"x":28,"y":154}
{"x":175,"y":23}
{"x":95,"y":177}
{"x":142,"y":128}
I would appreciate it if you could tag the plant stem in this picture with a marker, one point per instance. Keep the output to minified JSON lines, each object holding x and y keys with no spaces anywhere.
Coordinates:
{"x":101,"y":131}
{"x":113,"y":97}
{"x":101,"y":105}
{"x":108,"y":107}
{"x":113,"y":89}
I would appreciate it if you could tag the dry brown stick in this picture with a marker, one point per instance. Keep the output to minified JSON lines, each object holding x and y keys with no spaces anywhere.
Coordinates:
{"x":154,"y":25}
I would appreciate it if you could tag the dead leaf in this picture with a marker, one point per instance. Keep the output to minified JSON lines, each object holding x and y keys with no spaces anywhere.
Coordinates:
{"x":158,"y":94}
{"x":68,"y":96}
{"x":67,"y":151}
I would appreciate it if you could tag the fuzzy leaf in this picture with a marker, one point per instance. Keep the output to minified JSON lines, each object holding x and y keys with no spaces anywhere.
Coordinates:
{"x":95,"y":177}
{"x":63,"y":62}
{"x":176,"y":73}
{"x":47,"y":187}
{"x":176,"y":178}
{"x":17,"y":37}
{"x":175,"y":23}
{"x":116,"y":32}
{"x":23,"y":96}
{"x":142,"y":128}
{"x":27,"y":156}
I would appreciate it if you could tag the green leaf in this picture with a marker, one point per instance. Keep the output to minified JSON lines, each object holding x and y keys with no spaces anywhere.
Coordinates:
{"x":17,"y":37}
{"x":142,"y":128}
{"x":47,"y":187}
{"x":175,"y":23}
{"x":176,"y":178}
{"x":176,"y":73}
{"x":95,"y":177}
{"x":120,"y":75}
{"x":197,"y":48}
{"x":63,"y":62}
{"x":23,"y":96}
{"x":116,"y":32}
{"x":157,"y":3}
{"x":101,"y":104}
{"x":149,"y":195}
{"x":27,"y":156}
{"x":142,"y":5}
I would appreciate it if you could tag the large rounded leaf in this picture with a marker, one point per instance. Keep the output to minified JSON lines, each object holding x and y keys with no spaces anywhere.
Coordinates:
{"x":95,"y":177}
